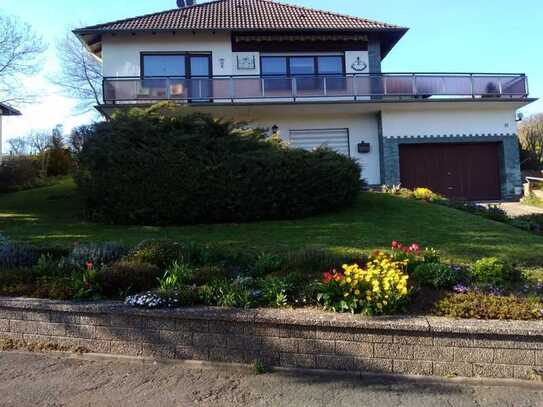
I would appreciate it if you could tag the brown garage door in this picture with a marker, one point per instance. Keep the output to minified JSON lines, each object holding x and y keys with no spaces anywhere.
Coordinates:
{"x":460,"y":171}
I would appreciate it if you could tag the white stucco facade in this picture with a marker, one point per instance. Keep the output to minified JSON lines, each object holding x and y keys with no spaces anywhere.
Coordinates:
{"x":121,"y":53}
{"x":361,"y":128}
{"x":451,"y":121}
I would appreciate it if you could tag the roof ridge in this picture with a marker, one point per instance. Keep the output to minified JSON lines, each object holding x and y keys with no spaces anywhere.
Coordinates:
{"x":332,"y":13}
{"x":157,"y":13}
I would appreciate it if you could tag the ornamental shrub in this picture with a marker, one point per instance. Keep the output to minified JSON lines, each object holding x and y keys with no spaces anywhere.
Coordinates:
{"x":437,"y":275}
{"x":162,"y":166}
{"x":18,"y":173}
{"x":379,"y":288}
{"x":127,"y":277}
{"x":175,"y":277}
{"x":493,"y":271}
{"x":96,"y":253}
{"x":14,"y":255}
{"x":425,"y":194}
{"x":484,"y":306}
{"x":160,"y":252}
{"x":533,"y":222}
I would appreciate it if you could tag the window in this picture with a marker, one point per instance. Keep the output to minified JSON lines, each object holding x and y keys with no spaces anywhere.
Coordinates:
{"x":302,"y":65}
{"x":307,"y":71}
{"x":330,"y":65}
{"x":163,"y":65}
{"x":274,"y":66}
{"x":176,"y":76}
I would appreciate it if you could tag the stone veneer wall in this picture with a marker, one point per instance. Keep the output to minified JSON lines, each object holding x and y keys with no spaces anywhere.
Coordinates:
{"x":509,"y":161}
{"x":292,"y":338}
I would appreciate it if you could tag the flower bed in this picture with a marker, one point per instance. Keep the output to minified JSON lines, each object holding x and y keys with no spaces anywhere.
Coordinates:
{"x":168,"y":274}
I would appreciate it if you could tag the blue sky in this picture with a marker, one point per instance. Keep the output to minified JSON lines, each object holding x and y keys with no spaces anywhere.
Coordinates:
{"x":445,"y":36}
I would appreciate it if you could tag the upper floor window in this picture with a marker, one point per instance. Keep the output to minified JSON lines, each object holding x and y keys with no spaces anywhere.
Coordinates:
{"x":175,"y":65}
{"x":165,"y":65}
{"x":302,"y":65}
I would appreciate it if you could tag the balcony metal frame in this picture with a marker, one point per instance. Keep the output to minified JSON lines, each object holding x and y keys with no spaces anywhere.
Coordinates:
{"x":387,"y":86}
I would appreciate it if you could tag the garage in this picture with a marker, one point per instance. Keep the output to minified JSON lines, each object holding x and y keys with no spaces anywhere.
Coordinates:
{"x":466,"y":171}
{"x":335,"y":139}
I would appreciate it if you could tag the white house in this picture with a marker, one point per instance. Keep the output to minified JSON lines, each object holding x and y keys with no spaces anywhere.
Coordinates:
{"x":5,"y":110}
{"x":315,"y":77}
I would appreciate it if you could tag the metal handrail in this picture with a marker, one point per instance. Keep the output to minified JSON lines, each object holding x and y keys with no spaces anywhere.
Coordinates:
{"x":410,"y":85}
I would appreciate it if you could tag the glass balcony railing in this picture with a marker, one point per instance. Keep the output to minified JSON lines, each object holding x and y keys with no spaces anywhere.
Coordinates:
{"x":299,"y":88}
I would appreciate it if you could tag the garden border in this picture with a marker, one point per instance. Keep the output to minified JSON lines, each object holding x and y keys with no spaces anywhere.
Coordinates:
{"x":305,"y":338}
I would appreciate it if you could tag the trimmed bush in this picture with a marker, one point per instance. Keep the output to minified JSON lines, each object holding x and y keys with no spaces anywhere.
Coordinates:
{"x":127,"y":277}
{"x":493,"y":271}
{"x":163,"y":167}
{"x":159,"y":252}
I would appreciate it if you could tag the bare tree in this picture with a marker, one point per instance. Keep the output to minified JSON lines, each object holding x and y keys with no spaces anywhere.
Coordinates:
{"x":531,"y":137}
{"x":20,"y":56}
{"x":18,"y":146}
{"x":80,"y":75}
{"x":40,"y":143}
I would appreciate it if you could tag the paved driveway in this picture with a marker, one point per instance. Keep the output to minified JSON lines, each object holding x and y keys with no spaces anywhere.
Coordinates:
{"x":515,"y":209}
{"x":45,"y":380}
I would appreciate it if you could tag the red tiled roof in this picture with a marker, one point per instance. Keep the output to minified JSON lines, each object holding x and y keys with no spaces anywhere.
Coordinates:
{"x":241,"y":15}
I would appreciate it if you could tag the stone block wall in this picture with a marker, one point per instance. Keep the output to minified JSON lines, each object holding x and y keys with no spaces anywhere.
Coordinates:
{"x":292,"y":339}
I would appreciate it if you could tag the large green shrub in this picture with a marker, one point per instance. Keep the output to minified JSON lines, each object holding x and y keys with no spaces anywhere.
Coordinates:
{"x":161,"y":166}
{"x":18,"y":173}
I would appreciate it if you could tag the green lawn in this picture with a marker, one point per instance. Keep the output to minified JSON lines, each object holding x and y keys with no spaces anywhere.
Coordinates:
{"x":54,"y":214}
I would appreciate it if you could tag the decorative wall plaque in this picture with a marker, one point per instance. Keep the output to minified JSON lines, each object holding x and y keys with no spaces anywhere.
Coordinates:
{"x":246,"y":62}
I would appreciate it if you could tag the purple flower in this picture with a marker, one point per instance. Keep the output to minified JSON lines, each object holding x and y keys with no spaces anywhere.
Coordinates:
{"x":460,"y":289}
{"x":495,"y":291}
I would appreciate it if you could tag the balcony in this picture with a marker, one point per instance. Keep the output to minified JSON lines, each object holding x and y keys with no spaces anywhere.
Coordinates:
{"x":359,"y":87}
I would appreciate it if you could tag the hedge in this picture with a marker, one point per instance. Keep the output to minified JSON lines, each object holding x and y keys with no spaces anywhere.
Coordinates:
{"x":162,"y":166}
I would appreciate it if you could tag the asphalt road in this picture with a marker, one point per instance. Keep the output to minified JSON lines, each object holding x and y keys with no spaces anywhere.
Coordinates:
{"x":48,"y":380}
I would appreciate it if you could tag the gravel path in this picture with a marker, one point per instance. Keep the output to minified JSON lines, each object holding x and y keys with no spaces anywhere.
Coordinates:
{"x":53,"y":381}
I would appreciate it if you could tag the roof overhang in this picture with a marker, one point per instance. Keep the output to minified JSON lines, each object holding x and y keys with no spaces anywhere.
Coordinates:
{"x":92,"y":38}
{"x":6,"y":110}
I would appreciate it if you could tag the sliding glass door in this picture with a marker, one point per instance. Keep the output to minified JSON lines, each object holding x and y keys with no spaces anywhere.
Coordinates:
{"x":176,"y":76}
{"x":200,"y":73}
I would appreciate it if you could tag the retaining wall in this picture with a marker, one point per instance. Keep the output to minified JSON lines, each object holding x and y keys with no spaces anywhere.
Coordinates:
{"x":284,"y":338}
